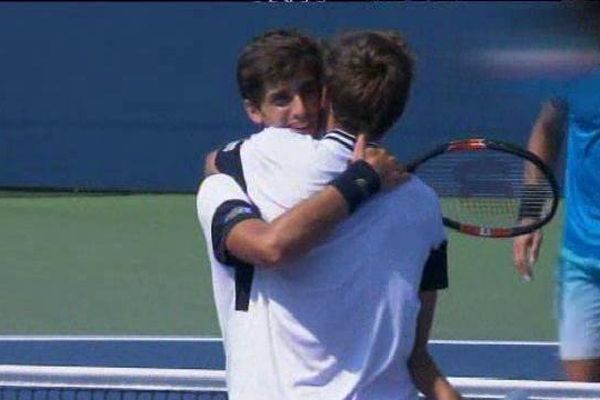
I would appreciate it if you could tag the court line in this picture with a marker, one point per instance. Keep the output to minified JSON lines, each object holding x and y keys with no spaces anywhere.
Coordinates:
{"x":108,"y":338}
{"x":494,"y":342}
{"x":154,"y":338}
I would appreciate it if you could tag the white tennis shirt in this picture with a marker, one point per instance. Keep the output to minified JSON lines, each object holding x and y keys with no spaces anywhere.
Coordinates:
{"x":339,"y":322}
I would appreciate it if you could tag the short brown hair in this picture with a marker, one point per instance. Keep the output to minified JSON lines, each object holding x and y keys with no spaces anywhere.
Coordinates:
{"x":277,"y":56}
{"x":369,"y":74}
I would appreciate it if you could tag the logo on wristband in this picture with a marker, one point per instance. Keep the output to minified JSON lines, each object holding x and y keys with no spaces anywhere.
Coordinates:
{"x":363,"y":186}
{"x":234,"y":212}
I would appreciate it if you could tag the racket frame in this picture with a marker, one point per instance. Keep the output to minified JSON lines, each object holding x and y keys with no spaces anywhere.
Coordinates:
{"x":479,"y":144}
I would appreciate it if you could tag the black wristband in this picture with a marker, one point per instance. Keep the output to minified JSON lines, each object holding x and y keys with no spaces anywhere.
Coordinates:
{"x":532,"y":201}
{"x":357,"y":183}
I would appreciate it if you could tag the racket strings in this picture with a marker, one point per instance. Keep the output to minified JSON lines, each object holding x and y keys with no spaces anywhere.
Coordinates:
{"x":488,"y":188}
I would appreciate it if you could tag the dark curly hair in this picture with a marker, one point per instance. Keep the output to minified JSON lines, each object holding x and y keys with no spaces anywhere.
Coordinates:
{"x":277,"y":56}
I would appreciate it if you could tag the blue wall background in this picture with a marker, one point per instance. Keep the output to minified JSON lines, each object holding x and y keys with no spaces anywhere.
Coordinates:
{"x":131,"y":96}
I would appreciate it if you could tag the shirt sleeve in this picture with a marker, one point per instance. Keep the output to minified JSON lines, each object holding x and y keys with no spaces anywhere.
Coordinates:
{"x":228,"y":161}
{"x":435,"y":271}
{"x":221,"y":205}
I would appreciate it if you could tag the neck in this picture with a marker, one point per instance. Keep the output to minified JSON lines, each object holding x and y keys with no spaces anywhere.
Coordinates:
{"x":333,"y":124}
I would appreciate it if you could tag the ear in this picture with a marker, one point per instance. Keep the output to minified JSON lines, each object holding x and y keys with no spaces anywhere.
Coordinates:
{"x":330,"y":121}
{"x":325,"y":103}
{"x":253,"y":112}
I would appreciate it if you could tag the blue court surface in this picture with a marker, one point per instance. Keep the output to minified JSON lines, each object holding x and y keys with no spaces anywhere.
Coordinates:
{"x":485,"y":359}
{"x":192,"y":368}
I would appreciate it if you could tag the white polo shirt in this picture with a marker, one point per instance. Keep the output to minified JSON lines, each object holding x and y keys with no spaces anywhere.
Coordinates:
{"x":338,"y":323}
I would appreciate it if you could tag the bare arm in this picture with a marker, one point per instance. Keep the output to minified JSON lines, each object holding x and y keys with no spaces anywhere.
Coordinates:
{"x":210,"y":167}
{"x":309,"y":222}
{"x":291,"y":234}
{"x":545,"y":141}
{"x":548,"y":132}
{"x":426,"y":375}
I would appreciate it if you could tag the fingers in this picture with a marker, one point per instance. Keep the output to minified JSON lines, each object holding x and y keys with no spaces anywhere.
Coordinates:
{"x":526,"y":250}
{"x":390,"y":171}
{"x":394,"y":177}
{"x":360,"y":148}
{"x":536,"y":243}
{"x":521,"y":258}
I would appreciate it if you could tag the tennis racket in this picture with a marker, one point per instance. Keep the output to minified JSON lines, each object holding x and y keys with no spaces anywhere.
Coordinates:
{"x":489,"y":188}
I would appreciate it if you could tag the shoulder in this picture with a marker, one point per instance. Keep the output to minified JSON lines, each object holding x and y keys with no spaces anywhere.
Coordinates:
{"x":280,"y":150}
{"x":421,"y":201}
{"x":280,"y":145}
{"x":215,"y":190}
{"x":281,"y":138}
{"x":213,"y":180}
{"x":417,"y":192}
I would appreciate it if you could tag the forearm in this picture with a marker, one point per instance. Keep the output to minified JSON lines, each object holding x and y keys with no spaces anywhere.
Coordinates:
{"x":425,"y":373}
{"x":209,"y":164}
{"x":428,"y":378}
{"x":291,"y":234}
{"x":548,"y":132}
{"x":309,"y":224}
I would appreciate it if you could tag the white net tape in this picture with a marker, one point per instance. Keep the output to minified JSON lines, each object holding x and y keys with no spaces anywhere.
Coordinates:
{"x":196,"y":380}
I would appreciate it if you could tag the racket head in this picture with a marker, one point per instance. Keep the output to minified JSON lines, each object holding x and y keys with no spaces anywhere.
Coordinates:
{"x":489,"y":188}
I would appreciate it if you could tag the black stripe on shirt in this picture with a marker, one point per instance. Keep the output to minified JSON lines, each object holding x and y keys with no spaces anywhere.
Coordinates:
{"x":346,"y":139}
{"x":343,"y":134}
{"x":340,"y":141}
{"x":435,"y":272}
{"x":227,"y":215}
{"x":228,"y":161}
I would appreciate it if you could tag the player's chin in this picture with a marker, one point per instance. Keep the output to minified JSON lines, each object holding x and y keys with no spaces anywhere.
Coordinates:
{"x":311,"y":129}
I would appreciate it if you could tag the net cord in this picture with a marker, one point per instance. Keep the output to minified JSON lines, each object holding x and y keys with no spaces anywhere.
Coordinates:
{"x":202,"y":380}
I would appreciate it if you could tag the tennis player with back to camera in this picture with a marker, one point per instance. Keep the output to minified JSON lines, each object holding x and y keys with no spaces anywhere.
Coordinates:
{"x":322,"y":331}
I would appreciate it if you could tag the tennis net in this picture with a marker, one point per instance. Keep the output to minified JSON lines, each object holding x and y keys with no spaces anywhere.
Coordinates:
{"x":22,"y":382}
